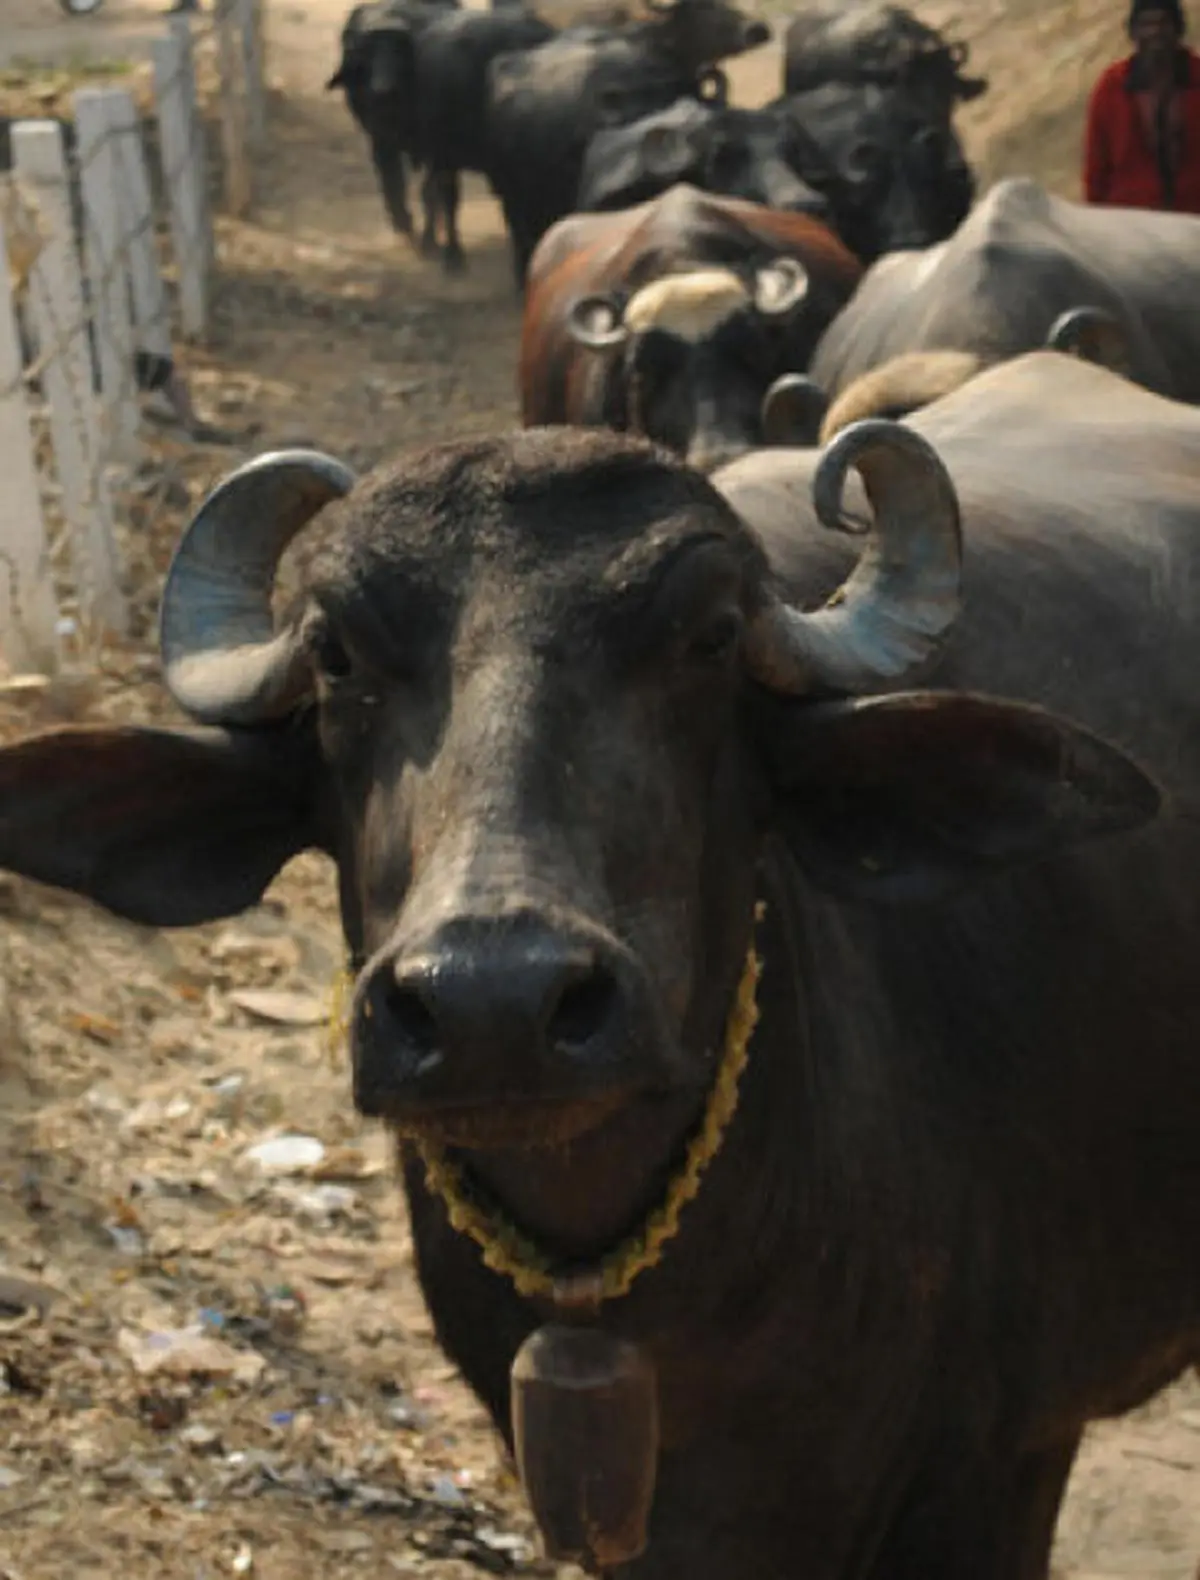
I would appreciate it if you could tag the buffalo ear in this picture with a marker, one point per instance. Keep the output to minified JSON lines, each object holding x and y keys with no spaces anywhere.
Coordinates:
{"x":909,"y":796}
{"x":164,"y":827}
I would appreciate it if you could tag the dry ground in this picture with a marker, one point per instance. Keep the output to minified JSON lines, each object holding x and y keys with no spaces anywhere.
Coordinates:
{"x":136,"y":1070}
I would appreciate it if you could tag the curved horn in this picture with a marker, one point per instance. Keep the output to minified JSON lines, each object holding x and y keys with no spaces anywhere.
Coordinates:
{"x":792,"y":411}
{"x":597,"y":322}
{"x":660,"y":7}
{"x":223,"y":661}
{"x":1093,"y":334}
{"x":893,"y":612}
{"x":779,"y":286}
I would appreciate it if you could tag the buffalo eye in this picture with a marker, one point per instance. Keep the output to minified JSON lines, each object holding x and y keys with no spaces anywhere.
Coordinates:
{"x":717,"y":639}
{"x":331,"y":657}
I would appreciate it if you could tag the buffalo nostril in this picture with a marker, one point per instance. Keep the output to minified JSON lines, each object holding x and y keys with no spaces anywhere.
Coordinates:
{"x":583,"y":1010}
{"x":409,"y":1018}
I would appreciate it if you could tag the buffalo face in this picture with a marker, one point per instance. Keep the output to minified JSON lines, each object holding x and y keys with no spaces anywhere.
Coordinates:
{"x":759,"y":156}
{"x":693,"y":355}
{"x":902,"y":180}
{"x":698,"y":32}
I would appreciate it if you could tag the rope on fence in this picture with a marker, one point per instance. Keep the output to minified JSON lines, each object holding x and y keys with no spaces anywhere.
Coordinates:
{"x":87,"y":326}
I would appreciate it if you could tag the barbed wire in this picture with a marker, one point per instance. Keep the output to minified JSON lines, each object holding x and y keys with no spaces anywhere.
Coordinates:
{"x":92,"y":348}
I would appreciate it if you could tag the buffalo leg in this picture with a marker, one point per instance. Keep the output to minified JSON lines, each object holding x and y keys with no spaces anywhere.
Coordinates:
{"x":388,"y":159}
{"x":431,"y":207}
{"x":994,"y":1522}
{"x":519,"y":243}
{"x":453,"y":258}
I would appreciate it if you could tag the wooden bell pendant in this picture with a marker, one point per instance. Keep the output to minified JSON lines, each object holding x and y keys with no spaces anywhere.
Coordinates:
{"x":585,"y":1428}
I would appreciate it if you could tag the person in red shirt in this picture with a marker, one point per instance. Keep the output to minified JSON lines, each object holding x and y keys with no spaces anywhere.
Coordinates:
{"x":1143,"y":124}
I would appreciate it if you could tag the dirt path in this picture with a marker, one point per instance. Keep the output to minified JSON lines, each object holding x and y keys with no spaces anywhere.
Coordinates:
{"x":136,"y":1070}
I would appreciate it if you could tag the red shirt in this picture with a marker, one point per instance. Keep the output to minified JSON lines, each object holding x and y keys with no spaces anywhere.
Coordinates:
{"x":1121,"y":161}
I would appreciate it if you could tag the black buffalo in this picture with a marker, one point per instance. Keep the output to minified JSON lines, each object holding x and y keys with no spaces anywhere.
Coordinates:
{"x":452,"y":57}
{"x":377,"y":74}
{"x":545,"y":105}
{"x":867,"y":41}
{"x":760,"y":155}
{"x":566,"y":715}
{"x":901,"y":177}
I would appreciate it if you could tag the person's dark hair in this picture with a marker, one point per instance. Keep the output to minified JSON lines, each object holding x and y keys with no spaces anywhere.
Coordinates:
{"x":1172,"y":8}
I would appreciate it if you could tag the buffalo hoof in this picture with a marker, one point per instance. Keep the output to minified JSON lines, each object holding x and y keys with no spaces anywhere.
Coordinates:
{"x":427,"y":246}
{"x":454,"y":261}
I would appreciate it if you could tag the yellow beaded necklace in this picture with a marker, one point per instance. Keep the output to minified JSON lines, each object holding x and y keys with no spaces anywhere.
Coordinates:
{"x":507,"y":1251}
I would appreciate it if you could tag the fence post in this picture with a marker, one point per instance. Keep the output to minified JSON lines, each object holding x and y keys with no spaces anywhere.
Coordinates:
{"x":183,"y":174}
{"x":151,"y":320}
{"x":56,"y":308}
{"x":233,"y":111}
{"x":254,"y":72}
{"x":107,"y":274}
{"x":28,"y":612}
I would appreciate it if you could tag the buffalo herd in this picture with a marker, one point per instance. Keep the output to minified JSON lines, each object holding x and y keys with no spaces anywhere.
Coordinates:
{"x":760,"y":788}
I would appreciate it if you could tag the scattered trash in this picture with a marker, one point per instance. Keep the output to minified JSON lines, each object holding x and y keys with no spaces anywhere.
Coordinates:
{"x":286,"y":1154}
{"x":503,"y":1542}
{"x":161,"y":1412}
{"x":320,"y":1204}
{"x":446,"y":1492}
{"x":129,"y":1242}
{"x":18,"y":1295}
{"x":201,"y":1439}
{"x":186,"y":1352}
{"x":242,"y":1562}
{"x":9,"y":1478}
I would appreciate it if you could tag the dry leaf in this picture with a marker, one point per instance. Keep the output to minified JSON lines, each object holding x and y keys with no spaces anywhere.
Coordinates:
{"x":280,"y":1006}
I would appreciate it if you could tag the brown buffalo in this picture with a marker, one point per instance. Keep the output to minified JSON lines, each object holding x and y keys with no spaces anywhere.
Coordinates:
{"x":688,"y":319}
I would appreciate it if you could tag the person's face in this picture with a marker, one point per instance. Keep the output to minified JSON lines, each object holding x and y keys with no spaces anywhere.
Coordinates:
{"x":1155,"y":36}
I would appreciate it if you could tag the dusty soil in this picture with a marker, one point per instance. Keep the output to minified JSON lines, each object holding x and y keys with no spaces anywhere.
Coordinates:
{"x":318,"y":1430}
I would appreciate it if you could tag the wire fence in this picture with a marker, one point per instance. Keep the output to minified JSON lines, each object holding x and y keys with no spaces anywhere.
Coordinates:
{"x":106,"y":225}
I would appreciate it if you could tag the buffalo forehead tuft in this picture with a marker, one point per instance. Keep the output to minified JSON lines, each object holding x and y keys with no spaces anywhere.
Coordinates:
{"x":689,"y":305}
{"x":536,"y":487}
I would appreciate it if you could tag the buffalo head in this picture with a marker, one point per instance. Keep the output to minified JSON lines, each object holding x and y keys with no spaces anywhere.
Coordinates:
{"x":696,"y":33}
{"x":693,"y":355}
{"x":543,"y":700}
{"x":901,"y":178}
{"x":761,"y":156}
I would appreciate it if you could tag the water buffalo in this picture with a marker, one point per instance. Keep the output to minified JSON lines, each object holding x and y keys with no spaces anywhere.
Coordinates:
{"x":760,"y":155}
{"x":868,"y":41}
{"x":998,"y":287}
{"x":902,"y":179}
{"x":601,"y":751}
{"x":545,"y":105}
{"x":687,"y":319}
{"x":452,"y":57}
{"x":377,"y":74}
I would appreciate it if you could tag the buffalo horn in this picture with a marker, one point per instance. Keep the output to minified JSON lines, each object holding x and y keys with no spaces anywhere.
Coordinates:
{"x":793,"y":410}
{"x":892,"y":613}
{"x":1092,"y":334}
{"x":779,"y":286}
{"x":712,"y":87}
{"x":222,"y":658}
{"x":597,"y":322}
